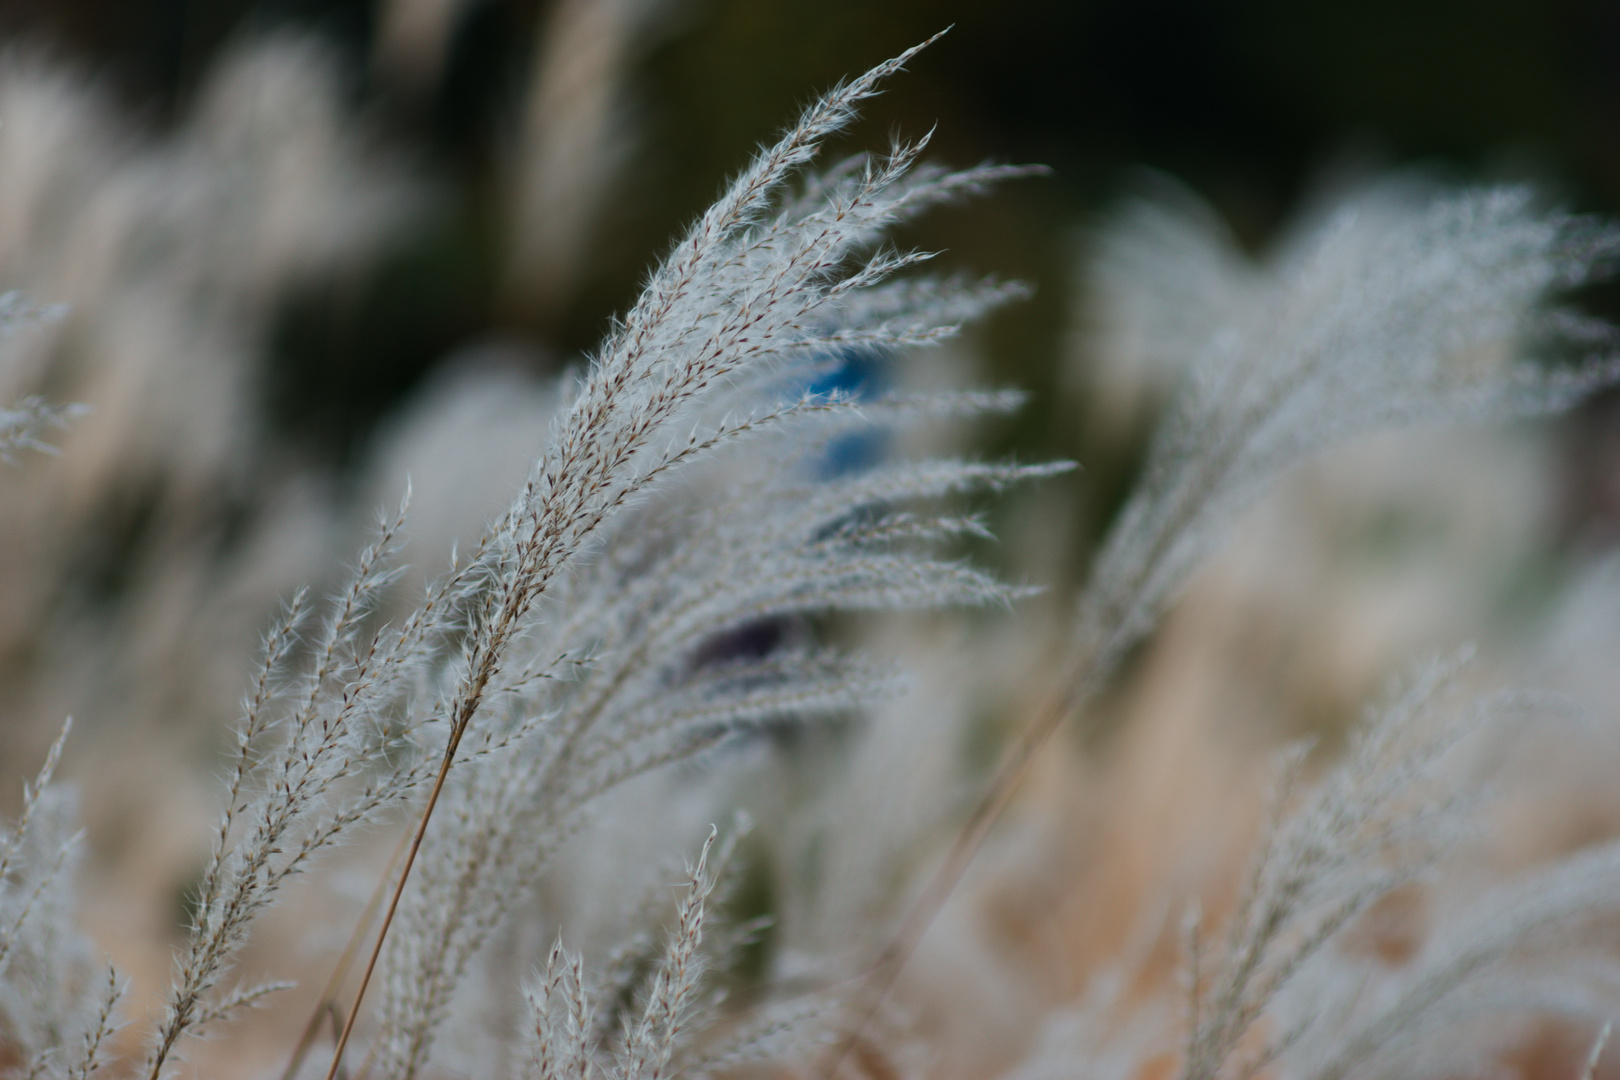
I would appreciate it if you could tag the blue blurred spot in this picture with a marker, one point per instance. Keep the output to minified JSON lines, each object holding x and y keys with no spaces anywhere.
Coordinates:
{"x":855,"y":373}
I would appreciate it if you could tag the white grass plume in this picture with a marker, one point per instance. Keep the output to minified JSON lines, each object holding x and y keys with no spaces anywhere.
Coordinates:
{"x":1398,"y":309}
{"x":57,"y":1003}
{"x":1381,"y":819}
{"x":605,"y":624}
{"x":562,"y":1037}
{"x":1518,"y":950}
{"x":679,"y":635}
{"x":26,"y":422}
{"x":1286,"y":987}
{"x":319,"y":751}
{"x":1280,"y":995}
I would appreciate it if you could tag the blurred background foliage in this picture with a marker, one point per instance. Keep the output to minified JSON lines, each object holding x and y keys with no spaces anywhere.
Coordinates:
{"x":1247,"y":101}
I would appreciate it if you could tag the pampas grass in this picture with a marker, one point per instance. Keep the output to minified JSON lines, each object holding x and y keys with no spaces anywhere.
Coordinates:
{"x":660,"y":617}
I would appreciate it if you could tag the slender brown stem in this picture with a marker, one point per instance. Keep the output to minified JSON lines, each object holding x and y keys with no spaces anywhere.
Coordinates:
{"x":393,"y":901}
{"x":326,"y":1004}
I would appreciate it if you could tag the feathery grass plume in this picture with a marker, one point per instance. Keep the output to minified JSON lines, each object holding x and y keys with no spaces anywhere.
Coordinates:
{"x":56,"y":1006}
{"x":766,"y":295}
{"x":1159,"y":275}
{"x":25,"y":423}
{"x":684,"y":634}
{"x":1283,"y":998}
{"x":1380,"y":820}
{"x":1514,"y":951}
{"x":561,"y":1038}
{"x":1398,"y":309}
{"x":319,"y":751}
{"x":1162,"y":273}
{"x":1297,"y":982}
{"x":1278,"y":994}
{"x":681,"y":634}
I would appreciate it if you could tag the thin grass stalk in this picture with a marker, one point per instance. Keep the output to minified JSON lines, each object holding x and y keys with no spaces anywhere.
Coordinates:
{"x":326,"y":1004}
{"x":393,"y":901}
